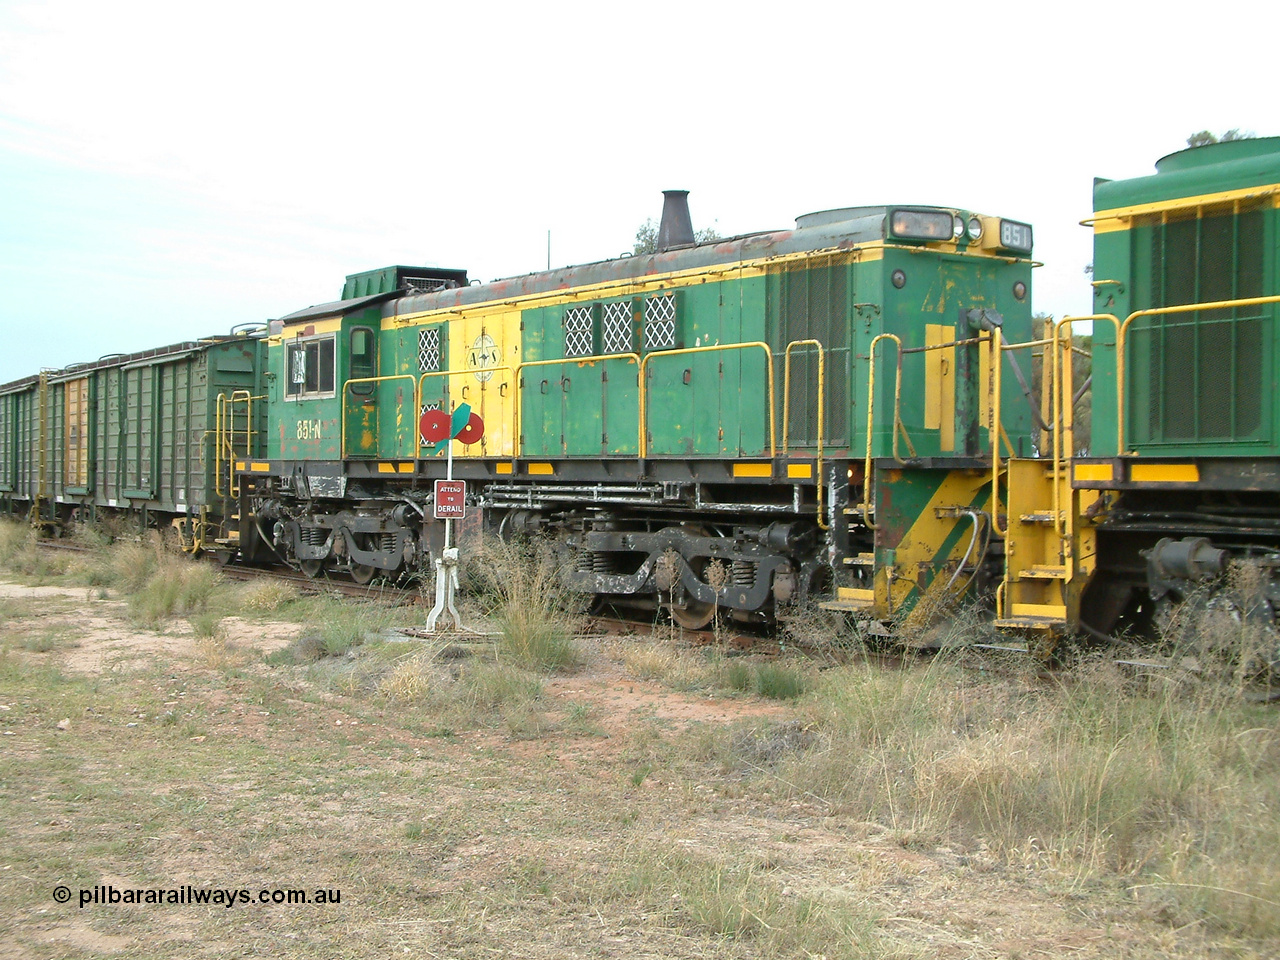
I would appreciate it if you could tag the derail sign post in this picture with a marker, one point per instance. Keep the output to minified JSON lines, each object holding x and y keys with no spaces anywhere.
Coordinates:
{"x":451,"y":499}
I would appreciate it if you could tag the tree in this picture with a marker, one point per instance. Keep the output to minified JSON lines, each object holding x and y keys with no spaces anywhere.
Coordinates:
{"x":1205,"y":137}
{"x":647,"y":237}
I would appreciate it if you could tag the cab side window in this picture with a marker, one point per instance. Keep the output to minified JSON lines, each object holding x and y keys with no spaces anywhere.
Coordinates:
{"x":364,"y":359}
{"x":309,"y":368}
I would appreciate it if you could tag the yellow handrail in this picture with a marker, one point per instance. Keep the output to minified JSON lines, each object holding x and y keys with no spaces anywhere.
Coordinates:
{"x":996,"y":359}
{"x":224,"y":441}
{"x":786,"y":409}
{"x":233,"y":489}
{"x":754,"y":344}
{"x":1160,"y":311}
{"x":865,"y":506}
{"x":346,"y":386}
{"x":995,"y":410}
{"x":218,"y":443}
{"x":1059,"y":379}
{"x":422,"y":382}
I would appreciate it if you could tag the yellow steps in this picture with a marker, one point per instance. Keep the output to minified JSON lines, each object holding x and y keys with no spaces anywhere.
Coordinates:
{"x":851,"y":600}
{"x":1043,"y":571}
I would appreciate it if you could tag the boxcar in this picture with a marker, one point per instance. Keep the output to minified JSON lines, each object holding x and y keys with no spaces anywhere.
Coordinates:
{"x":151,"y":434}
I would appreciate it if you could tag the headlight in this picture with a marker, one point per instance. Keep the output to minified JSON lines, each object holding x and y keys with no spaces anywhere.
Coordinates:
{"x":975,"y":229}
{"x":920,"y":225}
{"x":957,"y":228}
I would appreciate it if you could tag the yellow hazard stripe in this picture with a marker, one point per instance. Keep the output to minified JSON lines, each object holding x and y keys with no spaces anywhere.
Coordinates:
{"x":1094,"y":472}
{"x":1164,"y":473}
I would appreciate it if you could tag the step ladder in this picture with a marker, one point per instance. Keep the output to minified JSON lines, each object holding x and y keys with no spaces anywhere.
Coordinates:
{"x":1037,"y":590}
{"x":851,"y":600}
{"x":856,"y":600}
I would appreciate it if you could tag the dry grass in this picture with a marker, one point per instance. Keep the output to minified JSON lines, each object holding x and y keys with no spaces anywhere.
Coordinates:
{"x":467,"y":805}
{"x":520,"y":592}
{"x":1174,"y":791}
{"x":267,"y":596}
{"x":179,"y":587}
{"x":811,"y":628}
{"x":709,"y":669}
{"x":1225,"y":632}
{"x":20,"y":554}
{"x":742,"y":902}
{"x":216,"y":653}
{"x":462,"y":691}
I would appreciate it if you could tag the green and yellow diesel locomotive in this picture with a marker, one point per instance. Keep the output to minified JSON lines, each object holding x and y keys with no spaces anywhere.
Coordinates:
{"x":692,"y":428}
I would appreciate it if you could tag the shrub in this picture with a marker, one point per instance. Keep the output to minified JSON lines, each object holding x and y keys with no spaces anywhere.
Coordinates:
{"x":537,"y":616}
{"x":174,"y":588}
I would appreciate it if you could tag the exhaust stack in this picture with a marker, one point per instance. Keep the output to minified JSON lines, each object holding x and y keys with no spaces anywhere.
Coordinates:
{"x":676,"y":229}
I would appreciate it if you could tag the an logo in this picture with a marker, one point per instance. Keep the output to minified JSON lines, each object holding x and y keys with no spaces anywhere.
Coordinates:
{"x":483,"y":356}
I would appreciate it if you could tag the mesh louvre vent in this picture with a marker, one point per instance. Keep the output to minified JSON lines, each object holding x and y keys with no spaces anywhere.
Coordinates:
{"x":660,"y":322}
{"x":429,"y":349}
{"x":1205,"y":368}
{"x":416,"y":285}
{"x":813,"y":305}
{"x":579,"y":337}
{"x":617,"y":328}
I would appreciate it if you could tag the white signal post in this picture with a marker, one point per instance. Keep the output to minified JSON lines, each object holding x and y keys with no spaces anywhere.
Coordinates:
{"x":447,"y":566}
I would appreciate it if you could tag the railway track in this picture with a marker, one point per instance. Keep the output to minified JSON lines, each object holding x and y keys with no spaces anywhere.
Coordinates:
{"x":602,"y":624}
{"x":599,"y":625}
{"x":63,"y":545}
{"x":605,"y":625}
{"x":388,"y":593}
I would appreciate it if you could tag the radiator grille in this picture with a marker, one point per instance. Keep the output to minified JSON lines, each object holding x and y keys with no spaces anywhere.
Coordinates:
{"x":813,"y":304}
{"x":1199,"y":376}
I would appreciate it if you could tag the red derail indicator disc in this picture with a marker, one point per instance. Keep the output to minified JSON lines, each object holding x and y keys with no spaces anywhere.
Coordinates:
{"x":473,"y":431}
{"x":434,"y":426}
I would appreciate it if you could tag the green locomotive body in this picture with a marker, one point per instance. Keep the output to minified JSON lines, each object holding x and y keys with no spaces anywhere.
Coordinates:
{"x":1185,"y":460}
{"x":684,"y":402}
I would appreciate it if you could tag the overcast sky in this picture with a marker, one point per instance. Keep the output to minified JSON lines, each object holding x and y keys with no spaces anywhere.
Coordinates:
{"x":169,"y":170}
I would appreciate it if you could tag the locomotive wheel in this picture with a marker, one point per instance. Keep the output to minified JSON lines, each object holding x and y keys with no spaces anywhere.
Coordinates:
{"x":362,"y":573}
{"x":688,"y":611}
{"x":691,"y":613}
{"x":312,"y":568}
